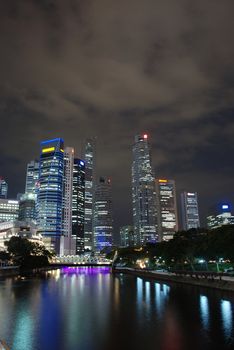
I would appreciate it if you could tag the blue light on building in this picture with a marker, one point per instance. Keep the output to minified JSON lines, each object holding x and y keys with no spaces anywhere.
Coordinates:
{"x":50,"y":192}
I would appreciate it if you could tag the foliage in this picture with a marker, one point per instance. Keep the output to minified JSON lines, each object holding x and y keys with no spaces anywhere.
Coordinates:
{"x":4,"y":256}
{"x":186,"y":249}
{"x":26,"y":253}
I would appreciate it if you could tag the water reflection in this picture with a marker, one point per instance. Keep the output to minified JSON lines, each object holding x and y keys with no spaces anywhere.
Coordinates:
{"x":227,"y":314}
{"x":23,"y":330}
{"x":161,"y":296}
{"x":91,"y":309}
{"x":204,"y":307}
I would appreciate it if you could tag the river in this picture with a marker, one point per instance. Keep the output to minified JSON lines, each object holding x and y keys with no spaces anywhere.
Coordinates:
{"x":92,"y":309}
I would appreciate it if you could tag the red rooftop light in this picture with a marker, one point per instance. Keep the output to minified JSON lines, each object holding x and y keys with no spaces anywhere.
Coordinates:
{"x":145,"y":136}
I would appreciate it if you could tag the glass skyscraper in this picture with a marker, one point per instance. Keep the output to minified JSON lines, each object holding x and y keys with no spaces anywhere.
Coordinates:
{"x":127,"y":236}
{"x":32,"y":177}
{"x":103,"y":220}
{"x":189,"y":210}
{"x":50,"y":192}
{"x":143,"y":192}
{"x":78,"y":205}
{"x":27,"y":208}
{"x":67,"y":190}
{"x":3,"y":188}
{"x":9,"y":210}
{"x":89,"y":158}
{"x":167,"y":218}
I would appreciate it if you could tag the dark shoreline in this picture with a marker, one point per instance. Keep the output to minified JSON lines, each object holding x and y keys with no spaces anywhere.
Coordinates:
{"x":221,"y":285}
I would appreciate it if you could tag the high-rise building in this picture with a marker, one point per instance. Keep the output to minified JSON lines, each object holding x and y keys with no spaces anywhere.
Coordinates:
{"x":50,"y":192}
{"x":127,"y":236}
{"x":143,"y":192}
{"x":89,"y":158}
{"x":189,"y":210}
{"x":67,"y":190}
{"x":9,"y":210}
{"x":167,"y":218}
{"x":32,"y":177}
{"x":67,"y":246}
{"x":3,"y":188}
{"x":103,"y":221}
{"x":27,"y":208}
{"x":224,"y":217}
{"x":78,"y":205}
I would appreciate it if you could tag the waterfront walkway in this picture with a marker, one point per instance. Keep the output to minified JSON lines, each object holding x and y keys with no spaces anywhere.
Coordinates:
{"x":204,"y":279}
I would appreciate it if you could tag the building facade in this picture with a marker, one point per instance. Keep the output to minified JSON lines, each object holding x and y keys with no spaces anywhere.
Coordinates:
{"x":143,"y":192}
{"x":189,"y":210}
{"x":127,"y":236}
{"x":103,"y":220}
{"x":167,"y":218}
{"x":225,"y":217}
{"x":9,"y":210}
{"x":32,"y":177}
{"x":67,"y":190}
{"x":3,"y":188}
{"x":50,"y":192}
{"x":89,"y":158}
{"x":78,"y":205}
{"x":27,"y":207}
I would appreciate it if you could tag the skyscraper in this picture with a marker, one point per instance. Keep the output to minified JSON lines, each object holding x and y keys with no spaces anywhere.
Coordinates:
{"x":9,"y":210}
{"x":103,"y":221}
{"x":67,"y":190}
{"x":3,"y":188}
{"x":78,"y":205}
{"x":67,"y":247}
{"x":127,"y":236}
{"x":50,"y":192}
{"x":224,"y":217}
{"x":189,"y":210}
{"x":32,"y":177}
{"x":89,"y":157}
{"x":167,"y":218}
{"x":143,"y":192}
{"x":27,"y":207}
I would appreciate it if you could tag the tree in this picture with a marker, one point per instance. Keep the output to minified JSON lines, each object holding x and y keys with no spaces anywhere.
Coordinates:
{"x":27,"y":254}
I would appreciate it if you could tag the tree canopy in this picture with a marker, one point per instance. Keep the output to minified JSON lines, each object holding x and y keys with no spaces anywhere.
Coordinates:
{"x":26,"y":253}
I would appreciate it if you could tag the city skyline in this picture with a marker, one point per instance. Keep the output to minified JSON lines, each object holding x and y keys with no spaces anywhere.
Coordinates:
{"x":214,"y":206}
{"x":128,"y":72}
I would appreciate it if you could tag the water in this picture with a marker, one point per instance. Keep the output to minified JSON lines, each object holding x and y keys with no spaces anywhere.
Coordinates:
{"x":91,"y":309}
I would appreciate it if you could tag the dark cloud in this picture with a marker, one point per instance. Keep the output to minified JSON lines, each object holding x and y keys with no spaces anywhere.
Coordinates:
{"x":113,"y":68}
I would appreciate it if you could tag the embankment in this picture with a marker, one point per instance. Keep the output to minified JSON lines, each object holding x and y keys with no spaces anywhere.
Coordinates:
{"x":223,"y":284}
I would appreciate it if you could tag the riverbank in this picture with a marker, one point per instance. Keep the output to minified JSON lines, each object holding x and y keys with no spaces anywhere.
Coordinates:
{"x":11,"y":271}
{"x":8,"y":271}
{"x":226,"y":284}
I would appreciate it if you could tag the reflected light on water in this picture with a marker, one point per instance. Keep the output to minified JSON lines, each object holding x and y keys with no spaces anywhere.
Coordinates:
{"x":204,"y":307}
{"x":22,"y":338}
{"x":161,"y":295}
{"x":226,"y":311}
{"x":139,"y":294}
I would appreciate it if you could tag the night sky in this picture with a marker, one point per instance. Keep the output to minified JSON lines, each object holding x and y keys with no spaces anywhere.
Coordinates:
{"x":111,"y":69}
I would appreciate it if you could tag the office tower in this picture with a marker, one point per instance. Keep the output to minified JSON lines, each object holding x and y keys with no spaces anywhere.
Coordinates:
{"x":50,"y":192}
{"x":67,"y":191}
{"x":189,"y":210}
{"x":89,"y":157}
{"x":143,"y":192}
{"x":78,"y":205}
{"x":103,"y":222}
{"x":166,"y":209}
{"x":32,"y":177}
{"x":9,"y":210}
{"x":3,"y":188}
{"x":27,"y":207}
{"x":224,"y":217}
{"x":127,"y":236}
